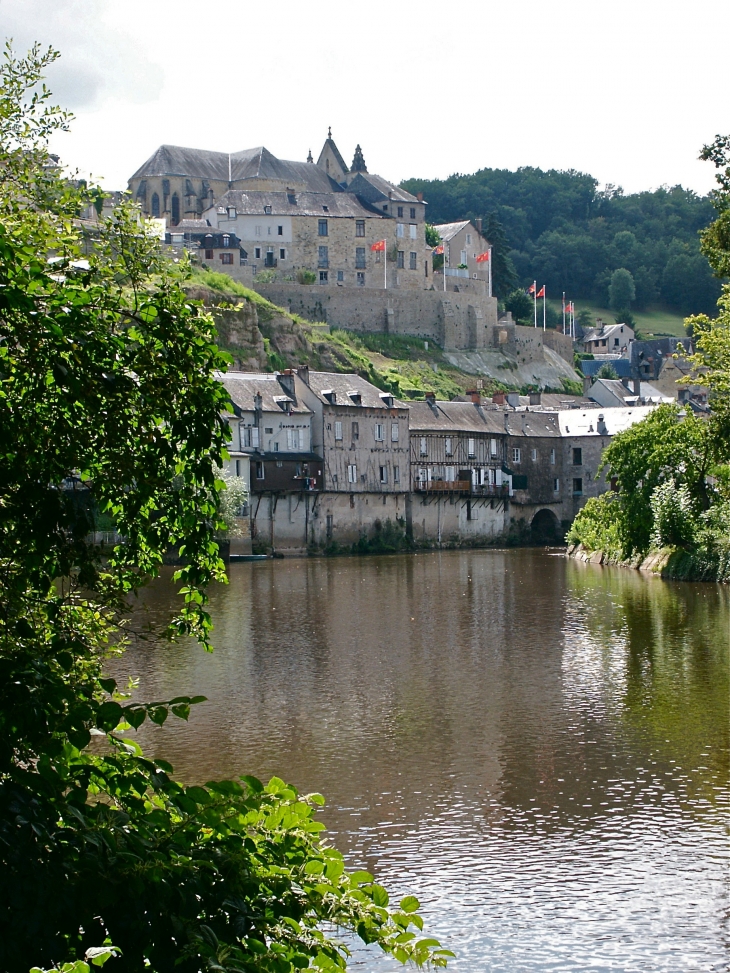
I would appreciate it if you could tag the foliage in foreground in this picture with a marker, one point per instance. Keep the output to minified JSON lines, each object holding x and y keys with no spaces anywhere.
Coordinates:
{"x":108,"y":403}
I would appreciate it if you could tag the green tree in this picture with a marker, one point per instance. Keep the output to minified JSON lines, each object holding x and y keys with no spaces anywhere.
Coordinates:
{"x":432,"y":236}
{"x":504,"y":276}
{"x":109,"y":405}
{"x":621,"y":290}
{"x":607,"y":371}
{"x":521,"y":305}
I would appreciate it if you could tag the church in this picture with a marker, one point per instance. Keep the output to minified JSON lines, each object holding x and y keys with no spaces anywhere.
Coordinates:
{"x":318,"y":222}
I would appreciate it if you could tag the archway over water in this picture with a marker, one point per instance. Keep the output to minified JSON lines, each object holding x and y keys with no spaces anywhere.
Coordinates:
{"x":545,"y":528}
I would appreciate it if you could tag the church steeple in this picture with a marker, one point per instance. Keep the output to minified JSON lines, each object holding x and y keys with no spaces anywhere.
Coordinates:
{"x":358,"y":162}
{"x":309,"y":157}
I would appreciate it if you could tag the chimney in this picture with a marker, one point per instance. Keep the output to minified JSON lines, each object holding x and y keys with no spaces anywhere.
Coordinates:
{"x":637,"y":386}
{"x":535,"y":398}
{"x":587,"y":384}
{"x":419,"y":197}
{"x":286,"y":380}
{"x":498,"y":398}
{"x":430,"y":396}
{"x":257,"y":403}
{"x":478,"y":224}
{"x":303,"y":373}
{"x":476,"y":396}
{"x":513,"y":399}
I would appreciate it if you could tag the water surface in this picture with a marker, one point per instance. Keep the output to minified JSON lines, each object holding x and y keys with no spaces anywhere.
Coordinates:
{"x":538,"y":749}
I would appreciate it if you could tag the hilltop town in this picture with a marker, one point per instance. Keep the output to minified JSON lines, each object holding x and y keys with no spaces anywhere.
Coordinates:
{"x":328,"y":457}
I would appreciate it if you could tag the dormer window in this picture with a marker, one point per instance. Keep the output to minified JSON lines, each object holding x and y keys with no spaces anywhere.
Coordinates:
{"x":284,"y":403}
{"x":325,"y":209}
{"x":267,"y":210}
{"x":385,"y":207}
{"x":387,"y":399}
{"x":330,"y":395}
{"x":231,"y":212}
{"x":226,"y":240}
{"x":356,"y":397}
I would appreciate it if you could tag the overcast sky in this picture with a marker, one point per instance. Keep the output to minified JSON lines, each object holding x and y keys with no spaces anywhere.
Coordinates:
{"x":628,"y":90}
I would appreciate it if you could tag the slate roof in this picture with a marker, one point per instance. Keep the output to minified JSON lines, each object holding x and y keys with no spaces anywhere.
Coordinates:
{"x":622,"y":366}
{"x":257,"y":163}
{"x":657,"y":348}
{"x":243,"y":386}
{"x":447,"y":231}
{"x":607,"y":331}
{"x":454,"y":417}
{"x":374,"y":189}
{"x":296,"y":204}
{"x":342,"y":383}
{"x":620,"y":392}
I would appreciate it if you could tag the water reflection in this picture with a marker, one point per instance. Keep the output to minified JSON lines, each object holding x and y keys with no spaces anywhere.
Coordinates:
{"x":537,"y":748}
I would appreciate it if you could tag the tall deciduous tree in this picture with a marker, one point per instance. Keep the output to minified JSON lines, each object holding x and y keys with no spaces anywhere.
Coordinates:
{"x":621,"y":290}
{"x":108,"y":403}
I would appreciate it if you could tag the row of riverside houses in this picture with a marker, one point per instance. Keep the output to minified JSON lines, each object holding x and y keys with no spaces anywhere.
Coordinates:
{"x":328,"y":459}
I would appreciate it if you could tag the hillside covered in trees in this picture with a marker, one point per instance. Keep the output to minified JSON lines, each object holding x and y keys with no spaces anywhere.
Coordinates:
{"x":561,"y":230}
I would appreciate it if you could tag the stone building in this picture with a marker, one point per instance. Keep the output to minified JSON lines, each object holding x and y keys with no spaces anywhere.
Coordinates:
{"x":608,"y":339}
{"x":320,"y":218}
{"x":463,"y":242}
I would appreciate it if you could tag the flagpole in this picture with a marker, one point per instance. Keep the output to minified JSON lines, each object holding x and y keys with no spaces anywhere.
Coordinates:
{"x":534,"y":297}
{"x":490,"y":271}
{"x":544,"y":302}
{"x":385,"y":267}
{"x":444,"y":266}
{"x":563,"y":312}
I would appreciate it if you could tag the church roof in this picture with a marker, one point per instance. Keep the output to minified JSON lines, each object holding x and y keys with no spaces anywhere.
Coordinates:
{"x":256,"y":163}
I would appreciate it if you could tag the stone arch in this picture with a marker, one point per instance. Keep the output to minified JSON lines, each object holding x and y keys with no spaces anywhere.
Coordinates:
{"x":155,"y":205}
{"x":545,"y":527}
{"x":175,"y":209}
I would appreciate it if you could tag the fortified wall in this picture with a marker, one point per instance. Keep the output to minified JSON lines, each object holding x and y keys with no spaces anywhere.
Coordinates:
{"x":454,"y":321}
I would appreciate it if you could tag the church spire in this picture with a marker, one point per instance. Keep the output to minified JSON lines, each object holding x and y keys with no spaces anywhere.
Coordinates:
{"x":358,"y":162}
{"x":309,"y":157}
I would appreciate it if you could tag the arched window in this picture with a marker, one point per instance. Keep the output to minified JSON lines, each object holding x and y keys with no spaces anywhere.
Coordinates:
{"x":155,"y":204}
{"x":175,"y":209}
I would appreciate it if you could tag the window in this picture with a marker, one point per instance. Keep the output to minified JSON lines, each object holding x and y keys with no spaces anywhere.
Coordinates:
{"x":280,"y":231}
{"x":360,"y":257}
{"x":577,"y":456}
{"x":385,"y":207}
{"x":463,"y":257}
{"x":413,"y":212}
{"x":516,"y":455}
{"x":268,"y":430}
{"x":359,"y":227}
{"x":254,"y":437}
{"x":396,"y":474}
{"x":379,"y":432}
{"x":492,"y":447}
{"x":556,"y":485}
{"x":533,"y":455}
{"x":383,"y":474}
{"x":424,"y":446}
{"x":448,"y":446}
{"x":472,"y":447}
{"x":323,"y":227}
{"x":238,"y":467}
{"x":257,"y":231}
{"x":323,"y":276}
{"x":394,"y":432}
{"x":450,"y":474}
{"x":155,"y":205}
{"x":468,"y":239}
{"x":226,"y":240}
{"x":294,"y":440}
{"x":338,"y":430}
{"x":267,"y":210}
{"x":257,"y":252}
{"x":208,"y":254}
{"x":340,"y":276}
{"x":400,"y":211}
{"x":577,"y":486}
{"x":360,"y":279}
{"x":355,"y":429}
{"x":175,"y":209}
{"x":231,"y":212}
{"x":226,"y":258}
{"x":352,"y":473}
{"x":413,"y":229}
{"x":282,"y":253}
{"x":414,"y":261}
{"x":552,"y":457}
{"x":401,"y":259}
{"x":259,"y":471}
{"x":400,"y":229}
{"x":323,"y":256}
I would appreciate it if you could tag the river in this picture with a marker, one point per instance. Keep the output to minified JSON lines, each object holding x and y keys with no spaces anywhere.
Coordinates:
{"x":537,"y":748}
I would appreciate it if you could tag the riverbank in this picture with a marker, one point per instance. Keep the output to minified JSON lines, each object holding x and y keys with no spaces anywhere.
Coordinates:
{"x":669,"y":563}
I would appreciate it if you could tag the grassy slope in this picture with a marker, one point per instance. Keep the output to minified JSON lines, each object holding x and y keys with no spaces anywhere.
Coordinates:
{"x":395,"y":363}
{"x":655,"y":323}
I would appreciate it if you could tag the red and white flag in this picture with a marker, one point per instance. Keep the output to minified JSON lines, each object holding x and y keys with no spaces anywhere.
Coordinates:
{"x":483,"y":257}
{"x":541,"y":292}
{"x":569,"y":307}
{"x":380,"y":245}
{"x":531,"y":289}
{"x":439,"y":248}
